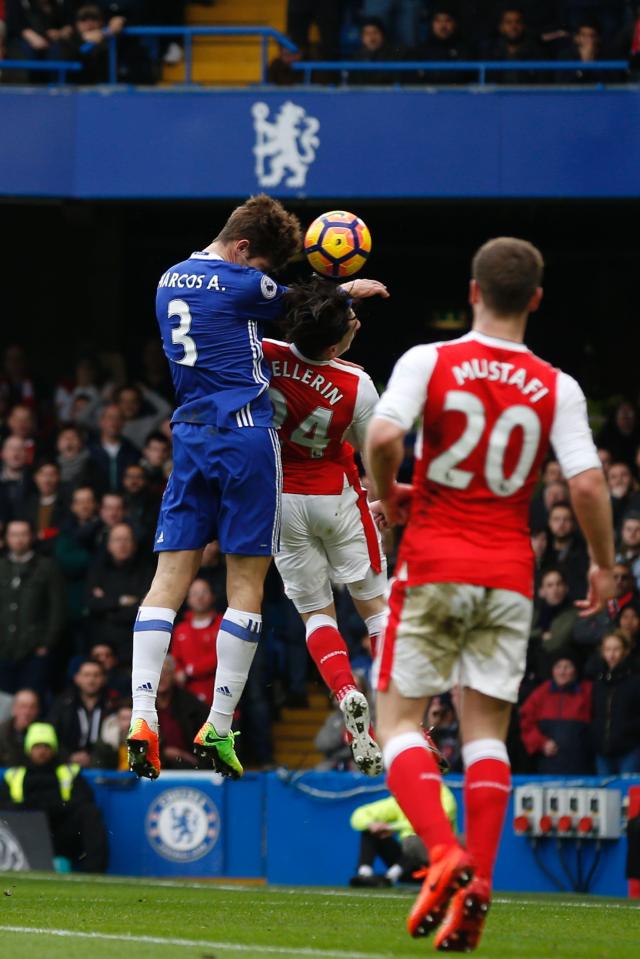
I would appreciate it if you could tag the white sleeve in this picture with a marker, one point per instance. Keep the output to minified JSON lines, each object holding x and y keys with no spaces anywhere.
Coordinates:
{"x":406,"y":393}
{"x":366,"y":400}
{"x":571,"y":435}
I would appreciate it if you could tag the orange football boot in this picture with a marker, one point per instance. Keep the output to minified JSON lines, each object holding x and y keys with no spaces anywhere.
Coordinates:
{"x":449,"y":871}
{"x":462,"y":926}
{"x":144,"y":750}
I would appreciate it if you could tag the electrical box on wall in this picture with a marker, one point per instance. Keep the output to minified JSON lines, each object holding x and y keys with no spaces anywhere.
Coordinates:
{"x":569,"y":812}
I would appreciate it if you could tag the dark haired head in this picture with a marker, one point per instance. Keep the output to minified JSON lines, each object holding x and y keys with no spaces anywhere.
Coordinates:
{"x":272,"y":231}
{"x":317,"y":316}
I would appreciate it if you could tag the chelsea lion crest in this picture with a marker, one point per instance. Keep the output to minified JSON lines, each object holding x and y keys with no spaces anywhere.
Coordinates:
{"x":183,"y":825}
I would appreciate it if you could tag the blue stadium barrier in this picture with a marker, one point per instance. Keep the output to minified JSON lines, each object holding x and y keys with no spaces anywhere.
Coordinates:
{"x":310,"y":142}
{"x":293,"y":829}
{"x":481,"y":67}
{"x":61,"y":67}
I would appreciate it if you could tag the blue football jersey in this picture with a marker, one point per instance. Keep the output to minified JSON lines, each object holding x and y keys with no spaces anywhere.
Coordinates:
{"x":211,"y":316}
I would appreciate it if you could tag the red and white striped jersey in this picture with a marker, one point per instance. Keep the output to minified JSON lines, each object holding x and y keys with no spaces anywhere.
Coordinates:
{"x":321,"y":410}
{"x":489,"y":410}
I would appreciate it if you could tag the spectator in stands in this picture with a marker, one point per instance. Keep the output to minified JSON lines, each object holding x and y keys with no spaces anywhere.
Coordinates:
{"x":154,"y":370}
{"x":36,"y":29}
{"x":116,"y":583}
{"x":514,"y":42}
{"x":629,"y":546}
{"x":45,"y":509}
{"x":628,"y":624}
{"x":379,"y":822}
{"x":84,"y":386}
{"x":60,"y":791}
{"x":616,"y":710}
{"x":193,"y":645}
{"x":133,"y":62}
{"x":629,"y":42}
{"x":553,"y":490}
{"x":3,"y":34}
{"x":373,"y":47}
{"x":16,"y":385}
{"x":555,"y":722}
{"x":15,"y":478}
{"x":88,"y":44}
{"x":110,"y":752}
{"x":113,"y":452}
{"x":443,"y":43}
{"x":587,"y":46}
{"x":32,"y":612}
{"x":621,"y":435}
{"x":78,"y":713}
{"x":400,"y":19}
{"x":624,"y":496}
{"x":553,"y":621}
{"x":141,"y":507}
{"x":25,"y":709}
{"x":169,"y":13}
{"x":180,"y":716}
{"x":156,"y":462}
{"x":442,"y":723}
{"x":326,"y":14}
{"x":566,"y":550}
{"x":22,"y":423}
{"x":142,"y":412}
{"x":280,"y":71}
{"x":117,"y":679}
{"x":74,"y":550}
{"x":74,"y":461}
{"x":111,"y":514}
{"x":625,"y":589}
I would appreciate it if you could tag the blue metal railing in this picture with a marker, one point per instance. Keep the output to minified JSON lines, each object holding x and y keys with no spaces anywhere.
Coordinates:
{"x":188,"y":33}
{"x":481,"y":67}
{"x":61,"y":67}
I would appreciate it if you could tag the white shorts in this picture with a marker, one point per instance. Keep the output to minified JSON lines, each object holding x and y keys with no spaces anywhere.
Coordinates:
{"x":325,"y":539}
{"x":439,"y":635}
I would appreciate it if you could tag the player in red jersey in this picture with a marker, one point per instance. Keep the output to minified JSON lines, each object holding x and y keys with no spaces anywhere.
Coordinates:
{"x":322,"y":406}
{"x":460,"y":606}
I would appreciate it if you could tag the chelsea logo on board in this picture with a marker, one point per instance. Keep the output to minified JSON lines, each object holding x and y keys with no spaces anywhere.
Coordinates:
{"x":183,"y":825}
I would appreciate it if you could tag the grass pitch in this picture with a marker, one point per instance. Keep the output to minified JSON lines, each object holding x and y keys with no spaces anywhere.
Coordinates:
{"x":72,"y":917}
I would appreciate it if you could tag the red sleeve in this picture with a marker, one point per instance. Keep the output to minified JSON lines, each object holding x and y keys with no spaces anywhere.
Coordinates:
{"x":530,"y":713}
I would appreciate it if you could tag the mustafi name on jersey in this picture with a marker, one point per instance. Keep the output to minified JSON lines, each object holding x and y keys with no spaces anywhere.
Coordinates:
{"x":497,"y":372}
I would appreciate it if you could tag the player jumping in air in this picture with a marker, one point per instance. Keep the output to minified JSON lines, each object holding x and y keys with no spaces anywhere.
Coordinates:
{"x":460,"y":606}
{"x":323,"y":405}
{"x":227,"y":475}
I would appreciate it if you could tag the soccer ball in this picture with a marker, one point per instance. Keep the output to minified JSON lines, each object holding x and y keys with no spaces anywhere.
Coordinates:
{"x":337,"y":244}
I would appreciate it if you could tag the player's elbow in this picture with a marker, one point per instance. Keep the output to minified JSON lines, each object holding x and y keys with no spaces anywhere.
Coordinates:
{"x":588,"y":487}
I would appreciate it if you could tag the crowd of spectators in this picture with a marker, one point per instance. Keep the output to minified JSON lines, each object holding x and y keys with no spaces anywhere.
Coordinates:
{"x":370,"y":31}
{"x":83,"y":464}
{"x":79,"y":30}
{"x":365,"y":30}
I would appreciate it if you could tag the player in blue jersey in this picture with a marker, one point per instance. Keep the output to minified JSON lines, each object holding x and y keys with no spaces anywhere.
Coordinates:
{"x":227,"y":475}
{"x":226,"y":479}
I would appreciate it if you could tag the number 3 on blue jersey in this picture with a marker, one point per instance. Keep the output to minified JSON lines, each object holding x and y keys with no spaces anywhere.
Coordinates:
{"x":179,"y":336}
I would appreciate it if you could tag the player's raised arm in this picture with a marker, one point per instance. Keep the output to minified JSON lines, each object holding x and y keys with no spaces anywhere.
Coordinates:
{"x":360,"y":289}
{"x":576,"y":452}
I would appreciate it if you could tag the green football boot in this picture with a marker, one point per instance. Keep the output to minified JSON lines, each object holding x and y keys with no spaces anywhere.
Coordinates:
{"x":217,"y":752}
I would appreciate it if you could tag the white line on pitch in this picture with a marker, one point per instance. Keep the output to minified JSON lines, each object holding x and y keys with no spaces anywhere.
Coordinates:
{"x":196,"y":943}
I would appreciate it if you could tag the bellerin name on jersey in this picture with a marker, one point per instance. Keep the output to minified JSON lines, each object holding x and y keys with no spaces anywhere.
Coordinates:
{"x":497,"y":372}
{"x":312,"y":377}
